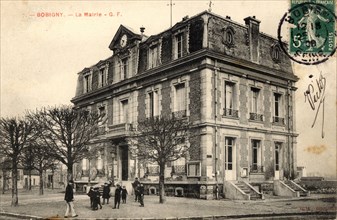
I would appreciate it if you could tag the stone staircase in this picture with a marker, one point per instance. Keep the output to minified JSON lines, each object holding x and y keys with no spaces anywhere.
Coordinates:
{"x":298,"y":189}
{"x":249,"y":190}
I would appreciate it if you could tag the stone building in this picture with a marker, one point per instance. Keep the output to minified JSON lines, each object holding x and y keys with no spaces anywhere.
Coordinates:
{"x":231,"y":81}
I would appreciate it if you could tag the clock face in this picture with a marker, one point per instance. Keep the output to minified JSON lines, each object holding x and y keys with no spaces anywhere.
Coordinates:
{"x":124,"y":40}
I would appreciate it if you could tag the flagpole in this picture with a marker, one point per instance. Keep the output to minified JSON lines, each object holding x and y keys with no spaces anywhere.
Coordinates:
{"x":170,"y":13}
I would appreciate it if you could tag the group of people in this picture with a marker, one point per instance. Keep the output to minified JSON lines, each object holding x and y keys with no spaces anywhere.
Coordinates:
{"x":95,"y":196}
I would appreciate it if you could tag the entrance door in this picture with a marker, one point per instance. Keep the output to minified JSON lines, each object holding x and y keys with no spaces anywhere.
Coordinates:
{"x":125,"y":162}
{"x":230,"y":156}
{"x":277,"y":161}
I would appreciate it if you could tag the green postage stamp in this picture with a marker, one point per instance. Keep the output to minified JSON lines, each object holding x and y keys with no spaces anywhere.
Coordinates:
{"x":310,"y":28}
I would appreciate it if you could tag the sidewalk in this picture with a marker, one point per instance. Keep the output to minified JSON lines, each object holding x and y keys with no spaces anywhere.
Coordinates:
{"x":52,"y":206}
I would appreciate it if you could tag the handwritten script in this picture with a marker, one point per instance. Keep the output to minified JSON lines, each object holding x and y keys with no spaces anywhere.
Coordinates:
{"x":315,"y":95}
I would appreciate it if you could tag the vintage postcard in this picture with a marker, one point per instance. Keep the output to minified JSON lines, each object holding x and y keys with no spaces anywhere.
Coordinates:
{"x":205,"y":109}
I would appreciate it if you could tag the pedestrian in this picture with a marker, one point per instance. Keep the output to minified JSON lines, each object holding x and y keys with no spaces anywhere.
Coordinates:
{"x":141,"y":194}
{"x":91,"y":196}
{"x":96,"y":199}
{"x":106,"y":193}
{"x":117,"y":196}
{"x":69,"y":198}
{"x":135,"y":185}
{"x":124,"y":194}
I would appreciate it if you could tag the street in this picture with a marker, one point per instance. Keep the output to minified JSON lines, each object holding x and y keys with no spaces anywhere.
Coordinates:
{"x":52,"y":205}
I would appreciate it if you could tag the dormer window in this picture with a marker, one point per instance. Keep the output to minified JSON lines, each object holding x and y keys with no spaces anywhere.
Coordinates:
{"x":178,"y":44}
{"x":87,"y":82}
{"x":102,"y":77}
{"x":154,"y":59}
{"x":124,"y":68}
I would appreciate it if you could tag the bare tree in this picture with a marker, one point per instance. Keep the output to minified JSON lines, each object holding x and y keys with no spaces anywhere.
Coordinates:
{"x":161,"y":140}
{"x":67,"y":133}
{"x":27,"y":161}
{"x":42,"y":162}
{"x":16,"y":134}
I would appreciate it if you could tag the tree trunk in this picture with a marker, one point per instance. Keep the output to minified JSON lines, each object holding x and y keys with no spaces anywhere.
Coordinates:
{"x":29,"y":179}
{"x":162,"y":198}
{"x":41,"y":181}
{"x":52,"y":180}
{"x":4,"y":174}
{"x":15,"y":199}
{"x":70,"y":172}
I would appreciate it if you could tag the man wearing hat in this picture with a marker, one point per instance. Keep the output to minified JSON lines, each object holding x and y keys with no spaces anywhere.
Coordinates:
{"x":118,"y":192}
{"x":135,"y":185}
{"x":69,"y":198}
{"x":106,"y":193}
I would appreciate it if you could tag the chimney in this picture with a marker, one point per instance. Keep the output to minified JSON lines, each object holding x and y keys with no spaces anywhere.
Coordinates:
{"x":142,"y":29}
{"x":185,"y":18}
{"x":253,"y":26}
{"x":228,"y":17}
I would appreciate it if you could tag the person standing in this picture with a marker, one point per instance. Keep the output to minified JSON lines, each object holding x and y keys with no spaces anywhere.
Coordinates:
{"x":106,"y":193}
{"x":141,"y":194}
{"x":124,"y":194}
{"x":97,"y":199}
{"x":91,"y":196}
{"x":117,"y":196}
{"x":135,"y":185}
{"x":69,"y":198}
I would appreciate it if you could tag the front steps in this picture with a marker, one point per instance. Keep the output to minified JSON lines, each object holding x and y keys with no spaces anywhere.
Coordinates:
{"x":289,"y":188}
{"x":241,"y":190}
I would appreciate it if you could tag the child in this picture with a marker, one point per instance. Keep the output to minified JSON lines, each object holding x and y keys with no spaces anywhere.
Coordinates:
{"x":106,"y":193}
{"x":91,"y":196}
{"x":124,"y":194}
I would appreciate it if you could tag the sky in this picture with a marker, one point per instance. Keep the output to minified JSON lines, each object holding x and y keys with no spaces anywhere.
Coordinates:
{"x":41,"y":56}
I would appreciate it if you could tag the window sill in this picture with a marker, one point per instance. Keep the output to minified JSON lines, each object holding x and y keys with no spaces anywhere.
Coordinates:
{"x":230,"y":117}
{"x":256,"y":121}
{"x":278,"y":124}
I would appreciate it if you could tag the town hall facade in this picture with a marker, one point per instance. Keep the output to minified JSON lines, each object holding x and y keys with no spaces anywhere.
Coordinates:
{"x":232,"y":82}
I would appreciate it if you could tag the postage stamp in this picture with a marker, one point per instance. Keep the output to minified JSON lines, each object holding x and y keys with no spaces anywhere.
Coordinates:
{"x":309,"y":26}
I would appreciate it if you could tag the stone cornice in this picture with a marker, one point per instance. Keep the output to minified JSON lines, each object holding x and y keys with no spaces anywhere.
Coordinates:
{"x":170,"y":70}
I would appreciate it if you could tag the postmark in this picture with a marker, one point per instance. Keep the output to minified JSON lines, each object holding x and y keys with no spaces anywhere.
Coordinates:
{"x":309,"y":27}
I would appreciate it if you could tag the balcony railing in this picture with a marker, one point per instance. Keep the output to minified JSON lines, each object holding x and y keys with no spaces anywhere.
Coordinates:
{"x":256,"y":168}
{"x":179,"y":169}
{"x":179,"y":114}
{"x":278,"y":120}
{"x":121,"y":129}
{"x":152,"y":170}
{"x":255,"y":117}
{"x":228,"y":112}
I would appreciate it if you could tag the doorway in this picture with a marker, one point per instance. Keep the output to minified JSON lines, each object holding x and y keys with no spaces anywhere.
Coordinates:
{"x":125,"y":162}
{"x":277,"y":161}
{"x":230,"y":159}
